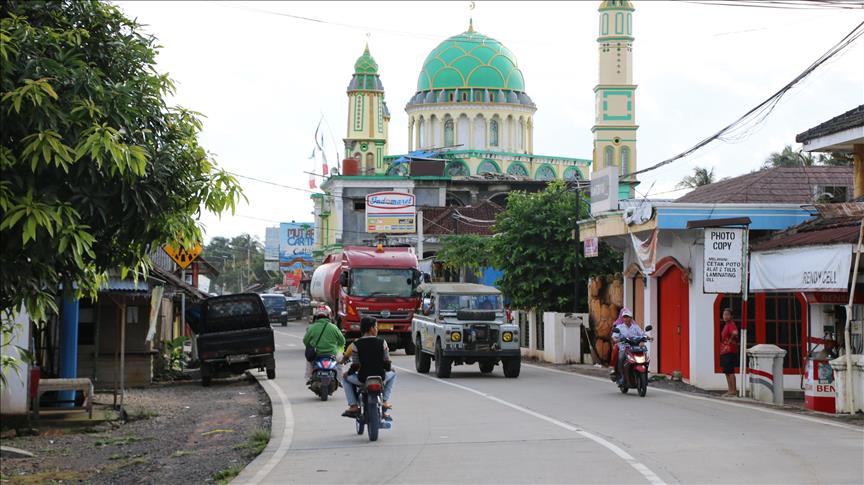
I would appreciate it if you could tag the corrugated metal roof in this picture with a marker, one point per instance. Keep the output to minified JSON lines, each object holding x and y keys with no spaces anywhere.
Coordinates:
{"x":116,"y":283}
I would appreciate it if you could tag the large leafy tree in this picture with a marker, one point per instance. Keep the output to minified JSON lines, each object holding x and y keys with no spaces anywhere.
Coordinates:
{"x":788,"y":157}
{"x":97,"y":169}
{"x":534,"y":247}
{"x":240,"y":261}
{"x":465,"y":251}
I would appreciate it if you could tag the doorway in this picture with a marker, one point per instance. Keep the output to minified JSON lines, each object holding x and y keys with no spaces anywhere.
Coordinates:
{"x":674,"y":322}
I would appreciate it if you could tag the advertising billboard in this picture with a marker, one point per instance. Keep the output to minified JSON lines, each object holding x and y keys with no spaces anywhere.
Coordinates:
{"x":391,"y":213}
{"x":296,"y":240}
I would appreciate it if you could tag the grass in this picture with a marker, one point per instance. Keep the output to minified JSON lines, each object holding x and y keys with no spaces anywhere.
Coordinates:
{"x":222,"y":477}
{"x":125,"y":440}
{"x":256,"y":442}
{"x":117,"y":456}
{"x":135,"y":461}
{"x":142,"y":413}
{"x":179,"y":453}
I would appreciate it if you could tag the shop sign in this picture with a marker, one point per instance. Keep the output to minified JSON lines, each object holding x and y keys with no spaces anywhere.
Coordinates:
{"x":391,"y":213}
{"x":811,"y":268}
{"x":723,"y":264}
{"x":591,"y":247}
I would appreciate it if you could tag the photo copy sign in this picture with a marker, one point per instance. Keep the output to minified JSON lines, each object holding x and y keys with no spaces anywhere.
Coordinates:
{"x":724,"y":260}
{"x":391,"y":213}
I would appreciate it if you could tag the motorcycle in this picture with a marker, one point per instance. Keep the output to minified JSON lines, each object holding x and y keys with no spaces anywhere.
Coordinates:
{"x":324,"y":381}
{"x":636,"y":360}
{"x":371,"y":415}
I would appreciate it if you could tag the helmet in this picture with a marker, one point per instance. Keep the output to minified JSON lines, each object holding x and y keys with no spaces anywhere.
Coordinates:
{"x":626,"y":313}
{"x":322,"y":311}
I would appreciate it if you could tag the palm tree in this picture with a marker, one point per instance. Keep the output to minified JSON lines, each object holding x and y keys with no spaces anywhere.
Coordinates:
{"x":789,"y":158}
{"x":701,"y":176}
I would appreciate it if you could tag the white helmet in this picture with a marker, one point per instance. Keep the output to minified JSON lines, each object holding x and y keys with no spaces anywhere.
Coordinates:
{"x":322,"y":311}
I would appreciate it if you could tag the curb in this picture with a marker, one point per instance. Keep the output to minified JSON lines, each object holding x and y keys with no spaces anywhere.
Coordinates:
{"x":281,"y":434}
{"x":842,"y":420}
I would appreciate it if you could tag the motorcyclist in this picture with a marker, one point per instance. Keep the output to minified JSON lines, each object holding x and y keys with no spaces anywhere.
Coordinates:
{"x":324,"y":335}
{"x":626,"y":330}
{"x":369,"y":356}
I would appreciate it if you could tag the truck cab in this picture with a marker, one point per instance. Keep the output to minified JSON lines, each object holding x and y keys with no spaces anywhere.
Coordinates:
{"x":463,"y":323}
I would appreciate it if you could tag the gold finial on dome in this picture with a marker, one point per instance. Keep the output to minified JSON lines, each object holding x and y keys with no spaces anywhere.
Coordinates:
{"x":368,"y":34}
{"x":471,"y":19}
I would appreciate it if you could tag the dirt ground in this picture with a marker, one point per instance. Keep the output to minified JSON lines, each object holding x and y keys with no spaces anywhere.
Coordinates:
{"x":177,"y":433}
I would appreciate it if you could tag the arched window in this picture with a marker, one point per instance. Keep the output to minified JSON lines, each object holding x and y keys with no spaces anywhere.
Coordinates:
{"x":517,"y":169}
{"x":421,"y":129}
{"x":370,"y":164}
{"x":572,"y":173}
{"x":545,"y":172}
{"x":493,"y":133}
{"x":457,"y":168}
{"x":479,"y":133}
{"x":608,"y":156}
{"x":448,"y":132}
{"x":625,"y":161}
{"x":487,"y":166}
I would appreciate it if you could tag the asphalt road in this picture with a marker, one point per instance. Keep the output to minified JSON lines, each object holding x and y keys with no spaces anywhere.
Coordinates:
{"x":547,"y":426}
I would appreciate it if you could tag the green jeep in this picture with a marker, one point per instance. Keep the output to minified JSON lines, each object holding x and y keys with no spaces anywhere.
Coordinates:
{"x":464,"y":323}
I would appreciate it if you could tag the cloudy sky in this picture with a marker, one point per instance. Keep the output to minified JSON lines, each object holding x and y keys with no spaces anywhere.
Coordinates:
{"x":264,"y":78}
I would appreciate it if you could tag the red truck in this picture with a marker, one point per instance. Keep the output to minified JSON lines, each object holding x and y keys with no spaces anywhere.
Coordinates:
{"x":371,"y":281}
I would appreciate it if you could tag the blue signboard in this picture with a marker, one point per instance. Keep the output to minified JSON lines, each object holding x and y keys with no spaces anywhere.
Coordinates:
{"x":296,"y":240}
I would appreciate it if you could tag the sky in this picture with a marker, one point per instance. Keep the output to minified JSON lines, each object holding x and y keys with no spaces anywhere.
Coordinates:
{"x":264,"y":80}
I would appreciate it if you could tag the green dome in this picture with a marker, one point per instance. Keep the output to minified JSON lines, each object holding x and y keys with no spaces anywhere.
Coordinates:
{"x":470,"y":60}
{"x":366,"y":64}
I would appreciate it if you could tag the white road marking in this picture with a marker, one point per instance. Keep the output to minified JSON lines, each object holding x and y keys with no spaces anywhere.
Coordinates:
{"x":285,"y":439}
{"x":688,"y":395}
{"x":636,"y":465}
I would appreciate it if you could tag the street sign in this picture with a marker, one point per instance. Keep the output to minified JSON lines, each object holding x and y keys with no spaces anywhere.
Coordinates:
{"x":724,"y":260}
{"x":591,"y":249}
{"x":391,"y":212}
{"x":604,"y":190}
{"x":181,"y":256}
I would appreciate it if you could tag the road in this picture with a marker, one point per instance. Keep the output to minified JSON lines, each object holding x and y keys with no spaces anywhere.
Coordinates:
{"x":547,"y":426}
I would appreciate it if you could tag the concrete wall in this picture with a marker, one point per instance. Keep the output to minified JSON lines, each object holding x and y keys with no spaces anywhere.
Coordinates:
{"x":13,"y":396}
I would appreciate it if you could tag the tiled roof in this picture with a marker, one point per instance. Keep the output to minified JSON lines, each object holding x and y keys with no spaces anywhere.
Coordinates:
{"x":441,"y":220}
{"x":779,"y":185}
{"x":836,"y":224}
{"x":850,"y":119}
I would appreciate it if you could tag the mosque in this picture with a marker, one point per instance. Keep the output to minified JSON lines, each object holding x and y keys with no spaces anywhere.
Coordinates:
{"x":472,"y":111}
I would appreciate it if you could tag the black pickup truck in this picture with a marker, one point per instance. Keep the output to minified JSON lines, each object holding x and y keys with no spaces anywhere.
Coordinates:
{"x":232,"y":334}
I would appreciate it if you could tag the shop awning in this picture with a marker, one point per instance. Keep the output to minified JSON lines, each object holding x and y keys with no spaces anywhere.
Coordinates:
{"x":808,"y":268}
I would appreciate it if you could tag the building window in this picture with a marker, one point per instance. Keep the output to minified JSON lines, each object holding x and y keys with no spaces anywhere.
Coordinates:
{"x":625,"y":161}
{"x":450,"y":97}
{"x":448,"y":133}
{"x":86,"y":324}
{"x":517,"y":169}
{"x":545,"y":172}
{"x":360,"y":205}
{"x":608,"y":156}
{"x":457,"y":169}
{"x":493,"y":133}
{"x":830,"y":194}
{"x":487,"y":166}
{"x":772,"y":318}
{"x":572,"y":173}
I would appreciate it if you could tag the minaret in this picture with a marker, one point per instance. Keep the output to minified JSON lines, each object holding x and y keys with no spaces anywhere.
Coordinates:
{"x":368,"y":117}
{"x":615,"y":94}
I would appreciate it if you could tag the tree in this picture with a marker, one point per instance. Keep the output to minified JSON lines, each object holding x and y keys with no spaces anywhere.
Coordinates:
{"x":701,"y":176}
{"x":533,"y":246}
{"x":465,"y":251}
{"x":789,"y":158}
{"x":98,"y":171}
{"x":240,"y":262}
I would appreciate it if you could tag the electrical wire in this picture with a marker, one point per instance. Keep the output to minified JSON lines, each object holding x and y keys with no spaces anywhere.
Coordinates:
{"x":758,"y":114}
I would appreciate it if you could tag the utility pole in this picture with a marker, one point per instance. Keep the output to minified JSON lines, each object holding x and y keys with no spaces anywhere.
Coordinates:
{"x":576,"y":272}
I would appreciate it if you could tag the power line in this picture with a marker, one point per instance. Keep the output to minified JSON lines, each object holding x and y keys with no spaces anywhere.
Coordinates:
{"x":759,"y":113}
{"x":785,"y":5}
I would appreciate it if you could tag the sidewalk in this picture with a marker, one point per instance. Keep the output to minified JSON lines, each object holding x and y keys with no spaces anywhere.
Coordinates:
{"x":792,"y":404}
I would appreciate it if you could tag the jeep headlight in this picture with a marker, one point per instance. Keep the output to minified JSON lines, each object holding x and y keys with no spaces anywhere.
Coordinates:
{"x":507,"y":336}
{"x":456,"y":337}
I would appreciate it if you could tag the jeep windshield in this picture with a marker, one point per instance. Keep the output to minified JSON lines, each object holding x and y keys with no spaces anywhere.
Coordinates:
{"x":375,"y":282}
{"x":452,"y":303}
{"x":274,"y":304}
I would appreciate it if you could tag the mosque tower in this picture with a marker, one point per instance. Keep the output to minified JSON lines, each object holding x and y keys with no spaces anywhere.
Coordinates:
{"x":368,"y":117}
{"x":615,"y":95}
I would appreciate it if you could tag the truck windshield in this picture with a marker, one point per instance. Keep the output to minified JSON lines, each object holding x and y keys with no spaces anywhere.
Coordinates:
{"x":381,"y":282}
{"x":469,"y":302}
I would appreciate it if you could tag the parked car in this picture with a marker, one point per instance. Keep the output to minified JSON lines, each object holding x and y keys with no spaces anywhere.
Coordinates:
{"x":463,"y":323}
{"x":277,"y":308}
{"x":232,"y":334}
{"x":293,"y":308}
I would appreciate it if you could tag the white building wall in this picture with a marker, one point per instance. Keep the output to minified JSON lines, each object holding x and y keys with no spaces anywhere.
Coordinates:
{"x":13,"y":395}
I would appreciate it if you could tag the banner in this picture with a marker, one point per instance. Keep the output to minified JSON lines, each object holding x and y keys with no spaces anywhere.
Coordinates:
{"x":604,"y":190}
{"x":819,"y":268}
{"x":723,"y":264}
{"x":271,"y":244}
{"x":646,"y":251}
{"x":391,"y":212}
{"x":295,"y":251}
{"x":591,"y":247}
